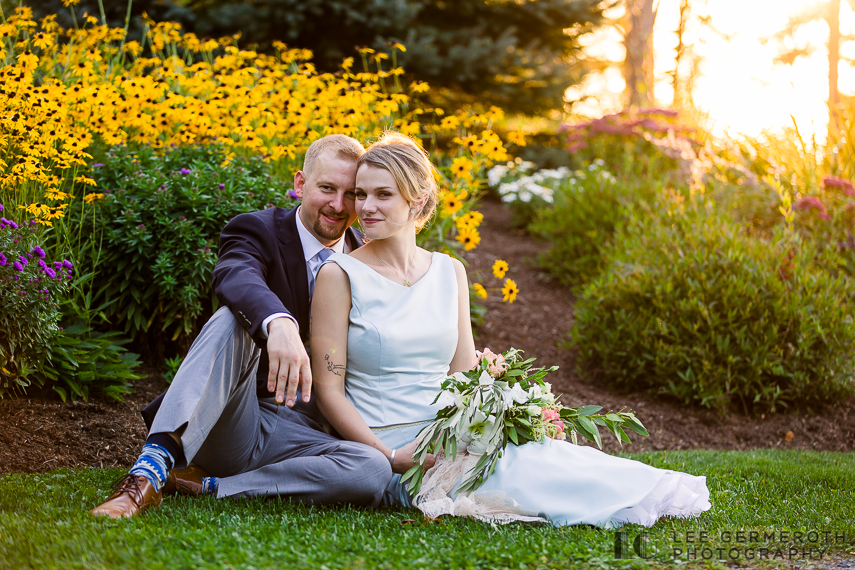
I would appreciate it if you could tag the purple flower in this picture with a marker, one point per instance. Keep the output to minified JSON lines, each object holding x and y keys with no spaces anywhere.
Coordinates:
{"x":97,"y":165}
{"x":50,"y":273}
{"x":18,"y":267}
{"x":185,"y":171}
{"x":39,"y":251}
{"x":4,"y":222}
{"x":222,"y":186}
{"x":2,"y":259}
{"x":42,"y":264}
{"x":293,"y":195}
{"x":1,"y":207}
{"x":23,"y":260}
{"x":68,"y":264}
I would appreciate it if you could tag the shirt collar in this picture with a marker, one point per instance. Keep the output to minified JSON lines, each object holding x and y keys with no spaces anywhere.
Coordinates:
{"x":311,"y":245}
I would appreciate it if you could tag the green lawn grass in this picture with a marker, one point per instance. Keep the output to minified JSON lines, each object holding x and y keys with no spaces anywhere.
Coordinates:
{"x":44,"y":523}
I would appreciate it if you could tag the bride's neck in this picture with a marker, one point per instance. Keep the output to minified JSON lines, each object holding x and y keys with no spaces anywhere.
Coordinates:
{"x":397,"y":250}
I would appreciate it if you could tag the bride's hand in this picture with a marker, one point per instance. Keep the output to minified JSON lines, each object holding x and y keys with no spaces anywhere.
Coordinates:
{"x":404,"y":458}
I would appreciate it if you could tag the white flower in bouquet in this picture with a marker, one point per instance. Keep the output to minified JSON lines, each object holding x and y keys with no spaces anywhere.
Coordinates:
{"x":513,"y":394}
{"x":485,"y":379}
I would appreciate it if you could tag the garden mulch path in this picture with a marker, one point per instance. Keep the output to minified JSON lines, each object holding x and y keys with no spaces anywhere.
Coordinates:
{"x":40,"y":433}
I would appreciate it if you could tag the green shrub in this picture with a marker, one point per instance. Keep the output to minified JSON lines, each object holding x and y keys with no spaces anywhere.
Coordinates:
{"x":81,"y":362}
{"x":155,"y":235}
{"x":29,"y":288}
{"x":588,"y":208}
{"x":693,"y":308}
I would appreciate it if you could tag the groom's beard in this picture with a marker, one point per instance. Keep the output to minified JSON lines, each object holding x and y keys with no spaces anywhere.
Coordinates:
{"x":328,"y":231}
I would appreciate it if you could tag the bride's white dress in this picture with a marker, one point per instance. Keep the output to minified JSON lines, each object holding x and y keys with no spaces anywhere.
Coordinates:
{"x":400,"y":341}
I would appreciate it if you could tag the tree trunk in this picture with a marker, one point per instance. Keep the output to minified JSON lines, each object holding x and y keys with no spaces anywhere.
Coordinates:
{"x":832,"y":18}
{"x":638,"y":41}
{"x":680,"y":52}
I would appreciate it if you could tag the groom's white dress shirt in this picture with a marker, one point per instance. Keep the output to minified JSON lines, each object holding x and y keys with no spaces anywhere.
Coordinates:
{"x":311,"y":248}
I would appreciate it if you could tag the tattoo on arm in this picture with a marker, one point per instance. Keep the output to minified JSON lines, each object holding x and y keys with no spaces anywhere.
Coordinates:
{"x":332,"y":367}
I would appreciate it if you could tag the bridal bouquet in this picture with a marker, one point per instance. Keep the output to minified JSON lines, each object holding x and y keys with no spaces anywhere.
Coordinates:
{"x":501,"y":400}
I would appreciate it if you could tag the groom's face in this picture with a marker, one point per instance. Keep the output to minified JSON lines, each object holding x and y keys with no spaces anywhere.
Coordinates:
{"x":327,"y":193}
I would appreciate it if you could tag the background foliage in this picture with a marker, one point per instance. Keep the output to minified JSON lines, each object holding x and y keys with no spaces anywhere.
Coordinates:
{"x":30,"y":288}
{"x":521,"y":56}
{"x":692,"y":308}
{"x":715,"y":271}
{"x":158,"y":228}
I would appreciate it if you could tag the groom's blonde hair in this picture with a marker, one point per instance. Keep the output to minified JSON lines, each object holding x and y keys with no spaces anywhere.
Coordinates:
{"x":343,"y":147}
{"x":413,"y":171}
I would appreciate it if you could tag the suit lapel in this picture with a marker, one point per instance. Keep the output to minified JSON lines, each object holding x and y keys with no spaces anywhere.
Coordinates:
{"x":291,"y":251}
{"x":355,"y":238}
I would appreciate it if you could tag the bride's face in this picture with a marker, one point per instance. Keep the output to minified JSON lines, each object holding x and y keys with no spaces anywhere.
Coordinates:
{"x":381,"y":208}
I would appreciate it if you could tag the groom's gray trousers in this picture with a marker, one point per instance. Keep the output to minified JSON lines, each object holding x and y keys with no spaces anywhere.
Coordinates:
{"x":255,"y":446}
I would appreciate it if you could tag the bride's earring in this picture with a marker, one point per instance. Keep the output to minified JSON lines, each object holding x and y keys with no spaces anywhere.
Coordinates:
{"x":412,"y":210}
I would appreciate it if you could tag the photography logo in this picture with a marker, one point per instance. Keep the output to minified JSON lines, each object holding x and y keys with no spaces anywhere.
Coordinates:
{"x":730,"y":545}
{"x":626,"y":547}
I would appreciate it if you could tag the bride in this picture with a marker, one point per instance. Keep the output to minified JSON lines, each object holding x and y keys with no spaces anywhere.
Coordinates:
{"x":390,"y":321}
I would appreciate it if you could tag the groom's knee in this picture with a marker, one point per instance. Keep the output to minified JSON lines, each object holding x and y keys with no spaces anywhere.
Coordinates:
{"x":372,"y":474}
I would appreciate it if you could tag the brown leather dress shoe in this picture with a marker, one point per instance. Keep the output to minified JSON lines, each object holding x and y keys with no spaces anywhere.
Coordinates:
{"x":133,"y":494}
{"x":184,"y":481}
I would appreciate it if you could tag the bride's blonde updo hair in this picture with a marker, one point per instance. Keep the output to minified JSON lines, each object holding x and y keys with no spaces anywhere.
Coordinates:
{"x":413,"y":171}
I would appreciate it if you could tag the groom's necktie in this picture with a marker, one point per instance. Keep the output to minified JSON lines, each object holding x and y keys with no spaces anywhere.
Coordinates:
{"x":320,"y":257}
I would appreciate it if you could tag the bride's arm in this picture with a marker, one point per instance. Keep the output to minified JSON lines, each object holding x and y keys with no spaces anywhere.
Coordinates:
{"x":329,"y":323}
{"x":464,"y":357}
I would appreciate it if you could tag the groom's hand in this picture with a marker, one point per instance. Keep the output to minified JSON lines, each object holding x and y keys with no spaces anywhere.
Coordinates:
{"x":289,"y":363}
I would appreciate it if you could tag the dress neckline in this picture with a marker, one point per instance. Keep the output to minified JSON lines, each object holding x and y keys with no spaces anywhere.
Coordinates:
{"x":422,"y":278}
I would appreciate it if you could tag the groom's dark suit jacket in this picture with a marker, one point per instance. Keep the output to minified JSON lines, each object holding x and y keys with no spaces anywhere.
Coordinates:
{"x":261,"y":270}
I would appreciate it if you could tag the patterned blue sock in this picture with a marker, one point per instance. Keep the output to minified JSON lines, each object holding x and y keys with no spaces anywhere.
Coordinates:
{"x":210,"y":485}
{"x":154,"y":464}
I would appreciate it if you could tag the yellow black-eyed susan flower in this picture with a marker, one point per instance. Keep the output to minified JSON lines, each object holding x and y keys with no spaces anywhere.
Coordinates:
{"x":509,"y":291}
{"x":500,"y":267}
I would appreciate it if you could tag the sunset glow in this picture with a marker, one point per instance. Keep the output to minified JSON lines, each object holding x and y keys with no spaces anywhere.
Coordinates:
{"x":740,"y":86}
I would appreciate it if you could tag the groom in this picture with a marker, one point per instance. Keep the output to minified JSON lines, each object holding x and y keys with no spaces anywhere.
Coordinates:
{"x":240,"y":407}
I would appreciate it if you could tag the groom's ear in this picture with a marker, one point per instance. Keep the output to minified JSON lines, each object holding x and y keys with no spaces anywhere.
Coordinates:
{"x":299,"y":181}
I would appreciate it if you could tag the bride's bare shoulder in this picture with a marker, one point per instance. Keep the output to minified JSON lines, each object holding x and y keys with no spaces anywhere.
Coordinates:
{"x":459,"y":268}
{"x":332,"y":275}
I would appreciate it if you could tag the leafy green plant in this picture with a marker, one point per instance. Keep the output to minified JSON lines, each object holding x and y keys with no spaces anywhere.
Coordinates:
{"x":691,"y":307}
{"x":82,"y":362}
{"x":29,"y":315}
{"x":171,"y":366}
{"x":589,"y":207}
{"x":157,"y":230}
